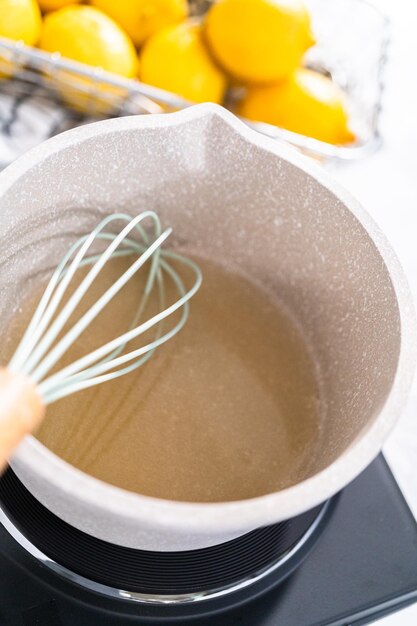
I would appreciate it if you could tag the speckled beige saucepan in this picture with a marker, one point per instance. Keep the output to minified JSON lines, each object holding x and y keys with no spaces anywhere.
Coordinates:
{"x":236,"y":195}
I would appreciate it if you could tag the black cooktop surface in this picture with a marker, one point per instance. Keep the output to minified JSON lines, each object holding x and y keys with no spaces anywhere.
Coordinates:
{"x":363,"y":566}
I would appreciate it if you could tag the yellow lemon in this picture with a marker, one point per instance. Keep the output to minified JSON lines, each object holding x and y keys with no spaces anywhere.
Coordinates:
{"x":258,"y":41}
{"x":177,"y":60}
{"x":307,"y":103}
{"x":19,"y":20}
{"x":87,"y":35}
{"x":142,"y":18}
{"x":53,"y":5}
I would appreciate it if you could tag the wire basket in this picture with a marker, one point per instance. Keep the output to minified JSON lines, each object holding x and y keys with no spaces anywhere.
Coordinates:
{"x":352,"y":44}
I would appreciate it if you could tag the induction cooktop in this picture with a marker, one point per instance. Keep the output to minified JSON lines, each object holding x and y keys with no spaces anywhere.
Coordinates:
{"x":361,"y":566}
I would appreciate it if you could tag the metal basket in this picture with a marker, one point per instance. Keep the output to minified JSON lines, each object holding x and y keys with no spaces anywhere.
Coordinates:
{"x":352,"y":40}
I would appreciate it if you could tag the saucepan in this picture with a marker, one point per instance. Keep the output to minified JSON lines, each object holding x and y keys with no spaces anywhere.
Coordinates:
{"x":232,"y":194}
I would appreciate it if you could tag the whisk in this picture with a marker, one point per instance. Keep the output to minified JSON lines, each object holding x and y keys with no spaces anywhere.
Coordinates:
{"x":27,"y":384}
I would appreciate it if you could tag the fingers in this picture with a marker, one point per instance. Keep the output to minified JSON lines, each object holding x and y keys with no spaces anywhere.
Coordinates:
{"x":21,"y":411}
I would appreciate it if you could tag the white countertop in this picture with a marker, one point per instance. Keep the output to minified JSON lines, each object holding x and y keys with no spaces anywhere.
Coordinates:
{"x":386,"y":184}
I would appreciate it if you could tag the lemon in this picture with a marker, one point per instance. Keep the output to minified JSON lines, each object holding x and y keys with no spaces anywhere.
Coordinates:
{"x":177,"y":60}
{"x":19,"y":20}
{"x":87,"y":35}
{"x":142,"y":18}
{"x":307,"y":103}
{"x":53,"y":5}
{"x":258,"y":41}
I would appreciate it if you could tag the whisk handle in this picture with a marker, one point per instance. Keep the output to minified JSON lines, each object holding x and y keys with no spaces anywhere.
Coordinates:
{"x":21,"y":410}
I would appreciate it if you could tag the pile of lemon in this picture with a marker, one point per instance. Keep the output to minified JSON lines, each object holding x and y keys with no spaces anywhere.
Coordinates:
{"x":256,"y":45}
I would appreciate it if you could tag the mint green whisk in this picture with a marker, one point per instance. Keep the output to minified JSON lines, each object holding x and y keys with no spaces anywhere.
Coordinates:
{"x":40,"y":349}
